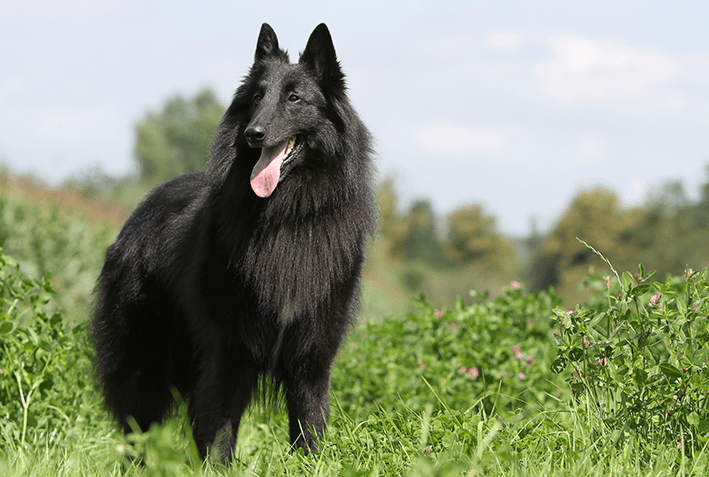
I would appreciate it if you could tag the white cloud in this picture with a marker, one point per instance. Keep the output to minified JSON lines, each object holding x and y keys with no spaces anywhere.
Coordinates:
{"x":504,"y":40}
{"x":454,"y":139}
{"x":589,"y":70}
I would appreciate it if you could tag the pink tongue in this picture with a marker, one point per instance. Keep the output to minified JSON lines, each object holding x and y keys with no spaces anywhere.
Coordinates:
{"x":267,"y":171}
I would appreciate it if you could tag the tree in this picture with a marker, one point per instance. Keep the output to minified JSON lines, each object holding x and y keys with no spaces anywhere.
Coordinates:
{"x":674,"y":232}
{"x":473,"y":238}
{"x":417,"y":236}
{"x":597,"y":218}
{"x":389,"y":219}
{"x":177,"y":140}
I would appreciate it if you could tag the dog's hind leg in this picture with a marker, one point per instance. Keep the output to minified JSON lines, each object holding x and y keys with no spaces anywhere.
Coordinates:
{"x":134,"y":365}
{"x":138,"y":393}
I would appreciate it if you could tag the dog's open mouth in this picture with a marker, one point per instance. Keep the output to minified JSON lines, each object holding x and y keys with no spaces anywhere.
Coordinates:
{"x":292,"y":150}
{"x":267,"y":172}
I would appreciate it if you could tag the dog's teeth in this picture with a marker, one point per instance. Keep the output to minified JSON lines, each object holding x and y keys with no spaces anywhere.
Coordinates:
{"x":291,"y":143}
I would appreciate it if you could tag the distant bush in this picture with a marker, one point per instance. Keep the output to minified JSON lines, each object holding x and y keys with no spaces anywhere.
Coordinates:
{"x":46,"y":241}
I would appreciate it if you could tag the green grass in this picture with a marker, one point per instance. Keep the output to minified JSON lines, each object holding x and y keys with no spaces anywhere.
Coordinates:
{"x":506,"y":384}
{"x":404,"y":398}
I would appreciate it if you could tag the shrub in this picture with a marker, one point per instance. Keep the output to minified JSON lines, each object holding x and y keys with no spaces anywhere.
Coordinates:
{"x":636,"y":358}
{"x":42,"y":363}
{"x":495,"y":353}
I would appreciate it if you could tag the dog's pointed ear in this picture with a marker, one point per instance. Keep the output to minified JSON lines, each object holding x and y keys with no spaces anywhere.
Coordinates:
{"x":319,"y":55}
{"x":267,"y":44}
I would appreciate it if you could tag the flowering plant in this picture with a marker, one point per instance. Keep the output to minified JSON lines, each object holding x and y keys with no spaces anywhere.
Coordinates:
{"x":637,"y":356}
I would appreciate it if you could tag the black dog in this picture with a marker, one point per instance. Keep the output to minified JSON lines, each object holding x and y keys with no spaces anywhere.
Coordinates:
{"x":247,"y":270}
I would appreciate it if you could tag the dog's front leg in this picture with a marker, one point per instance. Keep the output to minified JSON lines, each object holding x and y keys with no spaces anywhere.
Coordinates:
{"x":307,"y":398}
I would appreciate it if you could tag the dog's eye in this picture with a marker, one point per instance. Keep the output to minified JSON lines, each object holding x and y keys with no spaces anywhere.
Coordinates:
{"x":257,"y":98}
{"x":293,"y":98}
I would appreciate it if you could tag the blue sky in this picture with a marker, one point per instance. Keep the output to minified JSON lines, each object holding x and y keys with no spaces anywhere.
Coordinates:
{"x":513,"y":105}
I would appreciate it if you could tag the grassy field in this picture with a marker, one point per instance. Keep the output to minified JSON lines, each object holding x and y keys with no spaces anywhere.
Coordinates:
{"x":503,"y":384}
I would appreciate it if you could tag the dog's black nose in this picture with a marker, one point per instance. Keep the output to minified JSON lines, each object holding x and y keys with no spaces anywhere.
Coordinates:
{"x":254,"y":135}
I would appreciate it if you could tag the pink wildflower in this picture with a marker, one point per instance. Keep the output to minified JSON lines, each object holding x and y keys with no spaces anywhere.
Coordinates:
{"x":578,"y":372}
{"x":515,"y":349}
{"x":519,"y":355}
{"x":439,"y":314}
{"x":568,"y":315}
{"x":530,"y":358}
{"x":473,"y":373}
{"x":521,"y":375}
{"x":656,"y":301}
{"x":514,"y":285}
{"x":463,"y":369}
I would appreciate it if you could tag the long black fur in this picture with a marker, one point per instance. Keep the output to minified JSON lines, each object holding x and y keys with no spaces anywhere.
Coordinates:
{"x":208,"y":287}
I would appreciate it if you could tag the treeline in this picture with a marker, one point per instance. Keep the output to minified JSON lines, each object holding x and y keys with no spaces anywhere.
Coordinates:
{"x":669,"y":233}
{"x":447,"y":256}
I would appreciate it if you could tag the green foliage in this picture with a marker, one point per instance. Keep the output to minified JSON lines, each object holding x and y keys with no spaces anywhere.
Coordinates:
{"x":41,"y":365}
{"x":447,"y":392}
{"x":471,"y":253}
{"x":177,"y":140}
{"x":443,"y":356}
{"x":595,"y":215}
{"x":638,"y":356}
{"x":435,"y":392}
{"x":672,"y":232}
{"x":473,"y":237}
{"x":45,"y":241}
{"x":417,"y":236}
{"x":667,"y":233}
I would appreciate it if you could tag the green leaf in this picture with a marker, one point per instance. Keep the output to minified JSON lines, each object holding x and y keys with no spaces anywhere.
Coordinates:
{"x":6,"y":327}
{"x":627,"y":280}
{"x":693,"y":419}
{"x":640,"y":376}
{"x":558,"y":365}
{"x":670,"y":371}
{"x":640,"y":290}
{"x":575,"y":354}
{"x":703,"y":427}
{"x":596,"y":319}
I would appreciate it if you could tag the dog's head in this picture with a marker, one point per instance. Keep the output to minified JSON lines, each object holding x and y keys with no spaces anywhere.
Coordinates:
{"x":290,"y":106}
